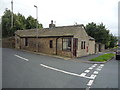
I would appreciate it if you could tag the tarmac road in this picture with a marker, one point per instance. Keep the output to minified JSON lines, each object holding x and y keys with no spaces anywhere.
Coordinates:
{"x":27,"y":70}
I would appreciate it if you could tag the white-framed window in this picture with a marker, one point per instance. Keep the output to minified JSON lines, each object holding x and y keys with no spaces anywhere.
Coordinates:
{"x":66,"y":44}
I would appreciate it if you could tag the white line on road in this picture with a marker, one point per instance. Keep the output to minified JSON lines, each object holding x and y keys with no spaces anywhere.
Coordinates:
{"x":88,"y":88}
{"x":90,"y":82}
{"x":95,"y":64}
{"x":102,"y":65}
{"x":93,"y":76}
{"x":21,"y":57}
{"x":95,"y":72}
{"x":90,"y":68}
{"x":98,"y":69}
{"x":66,"y":72}
{"x":60,"y":70}
{"x":83,"y":74}
{"x":87,"y":71}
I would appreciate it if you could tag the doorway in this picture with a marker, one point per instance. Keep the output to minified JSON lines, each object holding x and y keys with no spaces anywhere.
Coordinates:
{"x":75,"y":45}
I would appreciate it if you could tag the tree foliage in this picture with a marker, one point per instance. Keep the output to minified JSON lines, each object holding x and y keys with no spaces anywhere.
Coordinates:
{"x":101,"y":34}
{"x":6,"y":25}
{"x":19,"y":23}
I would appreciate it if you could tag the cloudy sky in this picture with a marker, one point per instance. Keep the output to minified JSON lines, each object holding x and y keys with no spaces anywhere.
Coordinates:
{"x":68,"y":12}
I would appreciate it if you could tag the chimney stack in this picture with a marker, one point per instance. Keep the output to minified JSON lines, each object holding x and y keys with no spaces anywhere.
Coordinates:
{"x":51,"y":25}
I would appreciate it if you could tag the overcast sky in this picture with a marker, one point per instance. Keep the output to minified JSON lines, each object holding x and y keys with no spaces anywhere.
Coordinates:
{"x":68,"y":12}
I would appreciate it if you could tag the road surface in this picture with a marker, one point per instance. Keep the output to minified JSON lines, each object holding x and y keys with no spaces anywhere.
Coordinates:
{"x":28,"y":70}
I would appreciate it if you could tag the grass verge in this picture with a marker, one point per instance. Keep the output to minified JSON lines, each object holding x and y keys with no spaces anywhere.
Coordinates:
{"x":103,"y":58}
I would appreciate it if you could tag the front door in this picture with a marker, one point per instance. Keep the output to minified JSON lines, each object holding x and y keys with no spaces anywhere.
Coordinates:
{"x":75,"y":44}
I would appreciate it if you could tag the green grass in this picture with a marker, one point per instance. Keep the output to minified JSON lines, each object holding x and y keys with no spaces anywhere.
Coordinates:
{"x":103,"y":58}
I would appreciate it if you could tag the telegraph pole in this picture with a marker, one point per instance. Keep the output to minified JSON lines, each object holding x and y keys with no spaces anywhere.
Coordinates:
{"x":11,"y":14}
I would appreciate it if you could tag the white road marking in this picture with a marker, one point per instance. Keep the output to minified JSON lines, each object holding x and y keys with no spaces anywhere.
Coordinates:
{"x":98,"y":69}
{"x":90,"y":82}
{"x":93,"y":76}
{"x":95,"y":64}
{"x":102,"y":65}
{"x":88,"y":88}
{"x":87,"y":71}
{"x":60,"y":70}
{"x":66,"y":72}
{"x":95,"y":72}
{"x":90,"y":68}
{"x":21,"y":57}
{"x":83,"y":74}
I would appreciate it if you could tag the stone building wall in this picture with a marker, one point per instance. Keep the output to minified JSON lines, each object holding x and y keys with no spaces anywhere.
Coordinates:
{"x":91,"y":47}
{"x":43,"y":46}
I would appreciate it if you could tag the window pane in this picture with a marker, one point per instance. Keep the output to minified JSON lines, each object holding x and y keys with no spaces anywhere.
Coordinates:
{"x":64,"y":45}
{"x":84,"y":44}
{"x":67,"y":44}
{"x":51,"y":44}
{"x":26,"y":41}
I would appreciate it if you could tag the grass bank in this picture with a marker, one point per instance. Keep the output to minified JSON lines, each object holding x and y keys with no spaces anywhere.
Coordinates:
{"x":103,"y":58}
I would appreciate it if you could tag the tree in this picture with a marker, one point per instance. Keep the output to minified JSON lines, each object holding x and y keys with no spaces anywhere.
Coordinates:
{"x":91,"y":27}
{"x":19,"y":23}
{"x":30,"y":23}
{"x":101,"y":34}
{"x":113,"y":41}
{"x":6,"y":23}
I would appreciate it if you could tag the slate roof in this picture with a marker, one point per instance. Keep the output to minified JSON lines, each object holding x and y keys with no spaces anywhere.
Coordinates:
{"x":57,"y":31}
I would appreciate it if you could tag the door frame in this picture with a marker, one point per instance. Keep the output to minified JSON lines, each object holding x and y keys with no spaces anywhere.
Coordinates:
{"x":75,"y":46}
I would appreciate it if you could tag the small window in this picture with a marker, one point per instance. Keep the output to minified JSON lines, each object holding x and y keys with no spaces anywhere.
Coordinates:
{"x":83,"y":45}
{"x":26,"y":41}
{"x":51,"y":44}
{"x":66,"y":44}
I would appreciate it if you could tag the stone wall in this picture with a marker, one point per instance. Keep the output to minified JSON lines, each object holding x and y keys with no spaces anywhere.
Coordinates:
{"x":99,"y":47}
{"x":91,"y":48}
{"x":80,"y":51}
{"x":8,"y":42}
{"x":43,"y":46}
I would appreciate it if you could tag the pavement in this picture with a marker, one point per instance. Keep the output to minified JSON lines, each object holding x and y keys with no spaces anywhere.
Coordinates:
{"x":84,"y":59}
{"x":27,"y":70}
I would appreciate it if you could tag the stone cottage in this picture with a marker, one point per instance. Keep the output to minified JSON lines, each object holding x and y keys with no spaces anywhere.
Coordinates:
{"x":70,"y":41}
